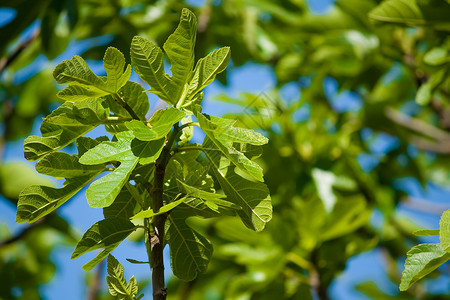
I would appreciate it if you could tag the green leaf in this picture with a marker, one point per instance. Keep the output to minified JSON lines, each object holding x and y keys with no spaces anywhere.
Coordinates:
{"x":128,"y":151}
{"x":190,"y":252}
{"x":107,"y":234}
{"x":187,"y":132}
{"x":413,"y":12}
{"x":426,"y":232}
{"x":222,"y":135}
{"x":37,"y":201}
{"x":207,"y":68}
{"x":444,"y":230}
{"x":253,"y":197}
{"x":166,"y":208}
{"x":436,"y":56}
{"x":124,"y":205}
{"x":135,"y":96}
{"x":421,"y":260}
{"x":60,"y":164}
{"x":148,"y":63}
{"x":179,"y":48}
{"x":212,"y":200}
{"x":84,"y":84}
{"x":161,"y":124}
{"x":397,"y":11}
{"x":117,"y":284}
{"x":134,"y":261}
{"x":427,"y":90}
{"x":73,"y":120}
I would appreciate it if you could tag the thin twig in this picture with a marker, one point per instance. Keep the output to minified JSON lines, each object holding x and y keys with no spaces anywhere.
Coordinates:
{"x":441,"y":137}
{"x":5,"y":62}
{"x":24,"y":232}
{"x":94,"y":287}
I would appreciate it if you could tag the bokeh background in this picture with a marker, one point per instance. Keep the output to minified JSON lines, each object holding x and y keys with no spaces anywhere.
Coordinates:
{"x":354,"y":96}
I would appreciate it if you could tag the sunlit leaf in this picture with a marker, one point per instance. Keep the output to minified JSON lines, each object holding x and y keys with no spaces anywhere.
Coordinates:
{"x":117,"y":283}
{"x":179,"y":49}
{"x":161,"y":124}
{"x":37,"y":201}
{"x":222,"y":134}
{"x":190,"y":252}
{"x":84,"y":84}
{"x":73,"y":119}
{"x":253,"y":197}
{"x":421,"y":260}
{"x":207,"y":68}
{"x":128,"y":151}
{"x":107,"y":234}
{"x":444,"y":231}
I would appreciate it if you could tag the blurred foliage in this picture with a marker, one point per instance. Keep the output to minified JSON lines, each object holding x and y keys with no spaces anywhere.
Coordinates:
{"x":391,"y":57}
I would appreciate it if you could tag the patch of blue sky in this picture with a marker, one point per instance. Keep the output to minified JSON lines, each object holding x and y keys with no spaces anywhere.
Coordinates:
{"x":290,"y":92}
{"x":368,"y":162}
{"x":356,"y":272}
{"x":7,"y":15}
{"x":248,"y":78}
{"x":196,"y":3}
{"x":320,"y":6}
{"x":410,"y":186}
{"x":343,"y":101}
{"x":384,"y":143}
{"x":393,"y":74}
{"x":411,"y":108}
{"x":301,"y":114}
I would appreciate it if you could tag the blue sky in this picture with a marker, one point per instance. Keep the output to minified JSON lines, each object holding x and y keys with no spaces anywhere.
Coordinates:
{"x":254,"y":78}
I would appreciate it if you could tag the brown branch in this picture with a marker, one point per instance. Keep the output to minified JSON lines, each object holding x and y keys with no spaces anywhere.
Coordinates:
{"x":94,"y":287}
{"x":155,"y":240}
{"x":315,"y":279}
{"x":24,"y":232}
{"x":441,"y":137}
{"x":5,"y":62}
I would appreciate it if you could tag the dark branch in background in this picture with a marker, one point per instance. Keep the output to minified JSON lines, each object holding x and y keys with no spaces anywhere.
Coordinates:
{"x":24,"y":231}
{"x":315,"y":278}
{"x":441,"y":143}
{"x":94,"y":287}
{"x":5,"y":62}
{"x":442,"y":112}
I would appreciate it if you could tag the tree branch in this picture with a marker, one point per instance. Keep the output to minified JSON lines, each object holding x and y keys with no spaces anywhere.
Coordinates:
{"x":441,"y":137}
{"x":5,"y":62}
{"x":24,"y":232}
{"x":155,"y":240}
{"x":95,"y":283}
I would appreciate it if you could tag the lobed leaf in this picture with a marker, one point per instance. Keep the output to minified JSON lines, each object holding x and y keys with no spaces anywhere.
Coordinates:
{"x":124,"y":205}
{"x":421,"y":260}
{"x":117,"y":284}
{"x":107,"y":234}
{"x":207,"y":68}
{"x":60,"y":164}
{"x":148,"y":63}
{"x":128,"y":151}
{"x":179,"y":48}
{"x":84,"y":84}
{"x":190,"y":252}
{"x":37,"y":201}
{"x":253,"y":197}
{"x":135,"y":96}
{"x":64,"y":125}
{"x":161,"y":124}
{"x":222,"y":135}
